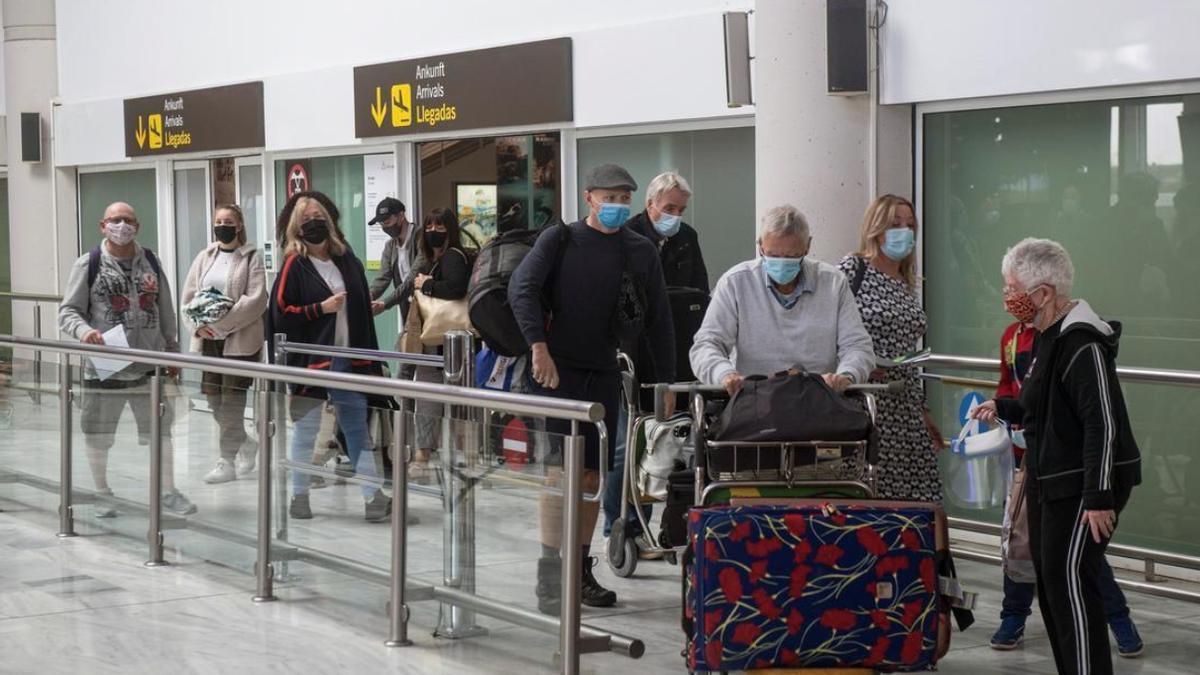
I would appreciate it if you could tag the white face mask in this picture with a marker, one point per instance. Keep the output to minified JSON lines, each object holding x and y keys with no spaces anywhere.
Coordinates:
{"x":119,"y":232}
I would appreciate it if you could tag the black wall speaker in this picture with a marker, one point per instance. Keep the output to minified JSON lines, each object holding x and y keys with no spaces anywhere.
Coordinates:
{"x":846,"y":46}
{"x":31,"y":137}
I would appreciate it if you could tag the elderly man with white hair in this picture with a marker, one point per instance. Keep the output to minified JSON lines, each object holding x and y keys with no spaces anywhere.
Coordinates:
{"x":1082,"y":461}
{"x":782,"y":310}
{"x":661,"y":222}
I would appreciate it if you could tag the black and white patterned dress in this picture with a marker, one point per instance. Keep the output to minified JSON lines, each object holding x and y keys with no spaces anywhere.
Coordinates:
{"x":908,"y":467}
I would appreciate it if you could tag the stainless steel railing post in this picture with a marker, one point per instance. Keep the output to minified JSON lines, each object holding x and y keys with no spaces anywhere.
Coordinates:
{"x":37,"y":354}
{"x":458,"y":496}
{"x":279,"y":445}
{"x":155,"y":535}
{"x":263,"y":569}
{"x":66,"y":517}
{"x":572,"y":563}
{"x":397,"y":607}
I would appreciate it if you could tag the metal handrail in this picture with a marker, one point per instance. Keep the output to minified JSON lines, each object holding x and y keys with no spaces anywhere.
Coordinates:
{"x":285,"y":346}
{"x":32,"y":297}
{"x":1185,"y":378}
{"x":514,"y":404}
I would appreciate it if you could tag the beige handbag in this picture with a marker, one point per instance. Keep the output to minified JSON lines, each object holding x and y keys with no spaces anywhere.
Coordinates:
{"x":440,"y":316}
{"x":410,"y":339}
{"x":1014,"y":535}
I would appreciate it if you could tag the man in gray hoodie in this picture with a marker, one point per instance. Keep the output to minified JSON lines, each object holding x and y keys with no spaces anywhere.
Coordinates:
{"x":119,"y":283}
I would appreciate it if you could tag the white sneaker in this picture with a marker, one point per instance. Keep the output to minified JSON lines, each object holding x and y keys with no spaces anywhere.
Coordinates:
{"x":246,"y":457}
{"x":221,"y":473}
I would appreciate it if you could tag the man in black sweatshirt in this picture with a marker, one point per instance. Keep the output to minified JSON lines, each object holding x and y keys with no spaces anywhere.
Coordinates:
{"x":603,"y":284}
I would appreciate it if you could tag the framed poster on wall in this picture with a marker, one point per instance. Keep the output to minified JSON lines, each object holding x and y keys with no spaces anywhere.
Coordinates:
{"x":475,"y":206}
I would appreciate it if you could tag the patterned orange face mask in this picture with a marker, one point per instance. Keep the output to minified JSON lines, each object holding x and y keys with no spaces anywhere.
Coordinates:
{"x":1021,"y":306}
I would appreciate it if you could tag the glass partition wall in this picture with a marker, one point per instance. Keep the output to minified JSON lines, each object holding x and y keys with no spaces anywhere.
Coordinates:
{"x":1116,"y":182}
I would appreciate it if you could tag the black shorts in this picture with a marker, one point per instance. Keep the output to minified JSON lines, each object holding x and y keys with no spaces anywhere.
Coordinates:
{"x":596,"y":386}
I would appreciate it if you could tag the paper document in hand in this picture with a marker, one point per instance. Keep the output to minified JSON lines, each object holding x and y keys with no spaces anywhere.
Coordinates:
{"x":105,"y":367}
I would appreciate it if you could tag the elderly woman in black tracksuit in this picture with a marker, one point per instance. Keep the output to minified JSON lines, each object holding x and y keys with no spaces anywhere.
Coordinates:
{"x":1083,"y":461}
{"x":321,"y":297}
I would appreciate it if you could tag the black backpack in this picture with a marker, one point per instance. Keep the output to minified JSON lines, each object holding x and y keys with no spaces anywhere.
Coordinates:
{"x":487,"y":292}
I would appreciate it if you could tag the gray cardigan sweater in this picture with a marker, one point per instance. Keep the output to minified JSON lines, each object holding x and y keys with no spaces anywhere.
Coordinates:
{"x":748,"y":331}
{"x":242,"y":328}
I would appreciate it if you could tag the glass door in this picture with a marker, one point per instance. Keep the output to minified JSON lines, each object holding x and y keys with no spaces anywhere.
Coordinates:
{"x":249,"y":181}
{"x":193,"y":231}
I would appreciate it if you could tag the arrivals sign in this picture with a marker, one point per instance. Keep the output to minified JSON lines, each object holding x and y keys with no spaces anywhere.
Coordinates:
{"x":518,"y":85}
{"x":219,"y":118}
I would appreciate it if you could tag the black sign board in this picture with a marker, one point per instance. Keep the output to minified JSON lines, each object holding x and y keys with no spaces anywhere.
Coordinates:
{"x":219,"y":118}
{"x":518,"y":85}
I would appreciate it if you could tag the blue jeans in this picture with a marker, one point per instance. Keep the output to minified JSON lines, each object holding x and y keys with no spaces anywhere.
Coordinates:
{"x":351,"y":410}
{"x":612,"y":486}
{"x":1018,"y":597}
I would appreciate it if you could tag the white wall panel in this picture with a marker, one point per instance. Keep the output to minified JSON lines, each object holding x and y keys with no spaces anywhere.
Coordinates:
{"x":948,"y":49}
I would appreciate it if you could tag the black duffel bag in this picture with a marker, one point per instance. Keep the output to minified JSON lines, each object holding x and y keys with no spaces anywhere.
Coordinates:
{"x":788,"y":407}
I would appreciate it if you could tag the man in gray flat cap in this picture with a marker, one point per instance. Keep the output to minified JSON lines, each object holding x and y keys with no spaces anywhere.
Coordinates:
{"x":583,"y":290}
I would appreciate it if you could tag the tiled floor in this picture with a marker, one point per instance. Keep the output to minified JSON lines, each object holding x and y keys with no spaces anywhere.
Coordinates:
{"x":87,"y":604}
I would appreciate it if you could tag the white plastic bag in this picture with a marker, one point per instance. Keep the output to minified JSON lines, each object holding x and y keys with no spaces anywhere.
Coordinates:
{"x":979,"y":467}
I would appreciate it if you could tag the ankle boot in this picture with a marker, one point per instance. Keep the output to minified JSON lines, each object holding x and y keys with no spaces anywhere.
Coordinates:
{"x":595,"y":595}
{"x":549,"y":586}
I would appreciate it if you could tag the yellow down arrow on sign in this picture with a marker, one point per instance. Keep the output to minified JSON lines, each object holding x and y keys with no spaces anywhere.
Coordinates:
{"x":378,"y":108}
{"x":140,"y":134}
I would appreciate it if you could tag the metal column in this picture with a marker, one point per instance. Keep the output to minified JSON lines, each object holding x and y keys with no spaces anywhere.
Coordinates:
{"x":66,"y":518}
{"x":572,"y":554}
{"x":155,"y":534}
{"x":458,"y":492}
{"x":397,"y":607}
{"x":279,"y":449}
{"x":263,"y":569}
{"x":37,"y":354}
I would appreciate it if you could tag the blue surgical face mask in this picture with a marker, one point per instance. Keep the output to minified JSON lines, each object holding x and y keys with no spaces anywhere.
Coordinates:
{"x":612,"y":216}
{"x":782,"y":270}
{"x":667,"y":225}
{"x":898,"y":243}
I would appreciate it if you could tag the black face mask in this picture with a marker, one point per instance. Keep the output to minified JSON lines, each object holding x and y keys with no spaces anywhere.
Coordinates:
{"x":225,"y":234}
{"x":434,"y":238}
{"x":315,"y":231}
{"x":393,"y":231}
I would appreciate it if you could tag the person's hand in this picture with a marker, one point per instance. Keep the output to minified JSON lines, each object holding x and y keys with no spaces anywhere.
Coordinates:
{"x":985,"y":412}
{"x":545,"y":372}
{"x":836,"y":382}
{"x":376,"y":307}
{"x":207,"y":333}
{"x":935,"y":433}
{"x":92,"y":337}
{"x":878,"y":373}
{"x":333,"y":304}
{"x":1101,"y":523}
{"x":171,"y":372}
{"x":419,"y":282}
{"x":732,"y":383}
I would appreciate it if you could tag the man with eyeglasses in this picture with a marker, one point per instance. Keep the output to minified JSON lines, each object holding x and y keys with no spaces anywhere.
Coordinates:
{"x":780,"y":311}
{"x":119,"y":287}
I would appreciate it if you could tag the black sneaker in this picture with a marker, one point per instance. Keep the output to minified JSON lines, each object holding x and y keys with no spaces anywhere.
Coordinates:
{"x":379,"y":508}
{"x":300,"y":510}
{"x":595,"y":595}
{"x":549,"y":586}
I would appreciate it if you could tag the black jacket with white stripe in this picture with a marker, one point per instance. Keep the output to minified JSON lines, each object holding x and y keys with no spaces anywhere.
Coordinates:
{"x":1073,"y":411}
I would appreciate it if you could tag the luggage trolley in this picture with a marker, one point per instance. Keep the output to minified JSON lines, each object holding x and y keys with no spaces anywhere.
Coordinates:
{"x":623,"y":552}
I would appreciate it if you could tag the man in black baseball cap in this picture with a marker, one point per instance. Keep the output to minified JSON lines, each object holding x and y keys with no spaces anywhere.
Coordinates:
{"x":397,"y":263}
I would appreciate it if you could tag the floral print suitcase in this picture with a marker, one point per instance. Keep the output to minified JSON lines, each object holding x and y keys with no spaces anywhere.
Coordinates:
{"x":814,"y":585}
